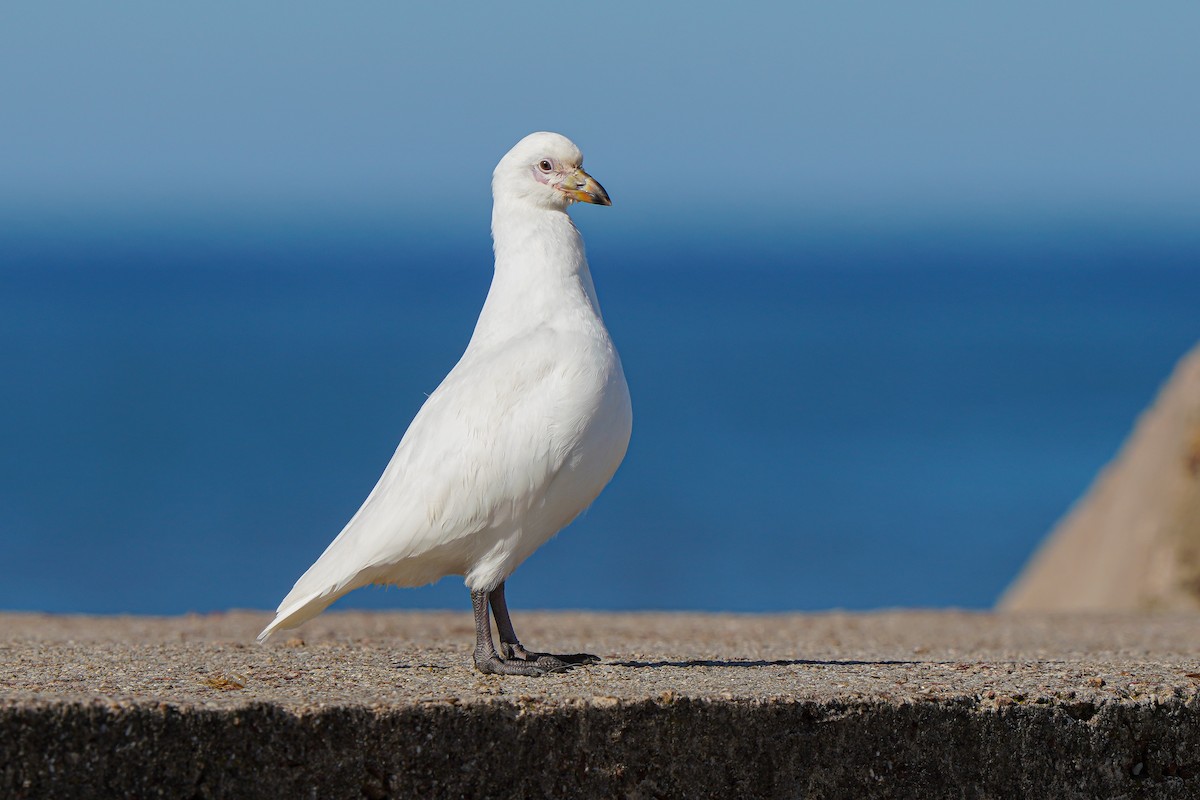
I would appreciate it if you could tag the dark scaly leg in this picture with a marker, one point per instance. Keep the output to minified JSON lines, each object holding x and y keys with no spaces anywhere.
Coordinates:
{"x":486,"y":659}
{"x":512,"y":649}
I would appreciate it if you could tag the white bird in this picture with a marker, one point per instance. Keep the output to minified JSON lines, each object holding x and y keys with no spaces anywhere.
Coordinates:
{"x":518,"y":439}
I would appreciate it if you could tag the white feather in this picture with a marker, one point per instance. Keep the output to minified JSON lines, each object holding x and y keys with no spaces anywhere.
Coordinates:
{"x":519,"y":438}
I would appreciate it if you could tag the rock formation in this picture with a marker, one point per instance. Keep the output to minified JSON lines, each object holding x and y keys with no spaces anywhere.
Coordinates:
{"x":1132,"y":542}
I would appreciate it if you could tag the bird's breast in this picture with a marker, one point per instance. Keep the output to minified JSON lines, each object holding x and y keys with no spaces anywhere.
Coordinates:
{"x":595,"y":416}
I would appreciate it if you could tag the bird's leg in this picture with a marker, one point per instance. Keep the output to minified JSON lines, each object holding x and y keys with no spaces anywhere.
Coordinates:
{"x":486,"y":659}
{"x":512,"y":649}
{"x":509,"y":646}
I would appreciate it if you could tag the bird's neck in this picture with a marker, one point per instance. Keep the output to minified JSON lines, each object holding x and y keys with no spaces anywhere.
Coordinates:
{"x":541,"y":277}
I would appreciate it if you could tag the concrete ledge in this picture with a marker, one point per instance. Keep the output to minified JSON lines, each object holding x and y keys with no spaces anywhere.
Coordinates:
{"x":696,"y":706}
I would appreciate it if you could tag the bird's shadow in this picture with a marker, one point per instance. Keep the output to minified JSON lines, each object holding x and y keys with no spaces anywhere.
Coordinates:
{"x":794,"y":662}
{"x":700,"y":662}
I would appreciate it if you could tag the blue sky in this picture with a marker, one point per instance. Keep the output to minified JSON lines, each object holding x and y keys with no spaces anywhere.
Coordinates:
{"x":857,"y":111}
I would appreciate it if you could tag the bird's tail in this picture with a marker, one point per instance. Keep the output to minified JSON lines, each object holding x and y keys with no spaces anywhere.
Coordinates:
{"x":304,"y":602}
{"x":295,"y":612}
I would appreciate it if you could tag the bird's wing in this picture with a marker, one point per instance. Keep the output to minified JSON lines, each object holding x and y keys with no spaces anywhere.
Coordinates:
{"x":483,"y":448}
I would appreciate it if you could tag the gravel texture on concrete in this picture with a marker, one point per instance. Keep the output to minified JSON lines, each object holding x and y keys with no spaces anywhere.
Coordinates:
{"x":896,"y":704}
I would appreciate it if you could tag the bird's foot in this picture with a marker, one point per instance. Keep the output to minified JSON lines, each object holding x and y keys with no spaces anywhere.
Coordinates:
{"x":518,"y":652}
{"x":494,"y":665}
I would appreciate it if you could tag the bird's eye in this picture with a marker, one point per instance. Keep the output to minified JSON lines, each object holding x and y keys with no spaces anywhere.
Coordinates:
{"x":545,"y":166}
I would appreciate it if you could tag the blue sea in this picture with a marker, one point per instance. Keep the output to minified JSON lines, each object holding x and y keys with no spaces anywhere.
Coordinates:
{"x":832,"y":420}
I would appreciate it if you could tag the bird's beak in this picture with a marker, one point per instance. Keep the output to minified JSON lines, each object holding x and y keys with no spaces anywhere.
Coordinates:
{"x":584,"y":188}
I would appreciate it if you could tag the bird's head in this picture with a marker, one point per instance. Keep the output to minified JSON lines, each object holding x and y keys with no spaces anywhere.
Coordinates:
{"x":546,"y":169}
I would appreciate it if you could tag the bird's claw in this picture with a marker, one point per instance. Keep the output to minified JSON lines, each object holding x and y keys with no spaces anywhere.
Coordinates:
{"x":519,"y":653}
{"x":533,"y":669}
{"x":579,"y":658}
